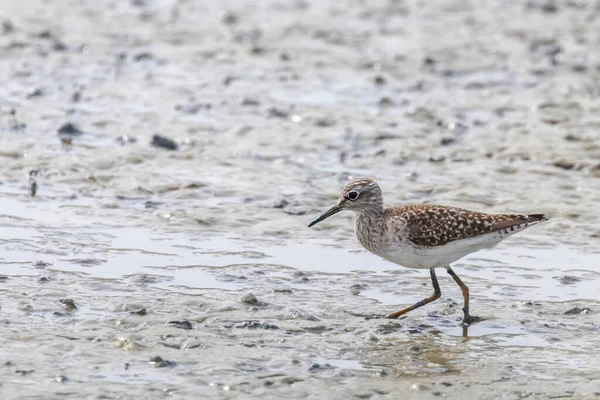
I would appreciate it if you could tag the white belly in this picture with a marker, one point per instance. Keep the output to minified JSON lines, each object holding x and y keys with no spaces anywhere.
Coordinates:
{"x":406,"y":255}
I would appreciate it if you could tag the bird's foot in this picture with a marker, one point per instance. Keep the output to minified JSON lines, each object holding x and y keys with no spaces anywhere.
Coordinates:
{"x":469,"y":319}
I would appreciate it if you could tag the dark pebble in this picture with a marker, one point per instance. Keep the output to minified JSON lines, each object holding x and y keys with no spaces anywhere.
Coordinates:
{"x":69,"y":129}
{"x":228,"y":80}
{"x":151,"y":204}
{"x":385,"y":101}
{"x":7,"y":27}
{"x":290,"y":380}
{"x":68,"y":304}
{"x":59,"y":45}
{"x":193,"y":108}
{"x":256,"y":49}
{"x":229,"y":18}
{"x":61,"y":378}
{"x":281,"y":203}
{"x":158,"y":362}
{"x":249,"y":299}
{"x":247,"y":101}
{"x":45,"y":34}
{"x":161,"y":141}
{"x":577,"y":310}
{"x":573,"y":138}
{"x":447,"y":141}
{"x":185,"y":324}
{"x":143,"y":56}
{"x":379,"y":80}
{"x":273,"y":112}
{"x":437,"y":159}
{"x":256,"y":325}
{"x":24,"y":372}
{"x":324,"y":122}
{"x":564,"y":164}
{"x":141,"y":312}
{"x":567,"y":279}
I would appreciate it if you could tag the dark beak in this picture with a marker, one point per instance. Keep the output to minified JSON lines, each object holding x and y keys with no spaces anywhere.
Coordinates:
{"x":333,"y":210}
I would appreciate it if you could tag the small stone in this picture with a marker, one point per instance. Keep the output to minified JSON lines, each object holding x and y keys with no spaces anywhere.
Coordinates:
{"x":140,"y":312}
{"x":564,"y":164}
{"x":229,"y":18}
{"x":158,"y":362}
{"x":7,"y":27}
{"x":324,"y":122}
{"x":59,"y":45}
{"x":447,"y":141}
{"x":573,"y":138}
{"x":577,"y":310}
{"x":165,"y":143}
{"x":248,"y":101}
{"x":385,"y":102}
{"x":256,"y":49}
{"x":68,"y":304}
{"x":143,"y":56}
{"x":69,"y":129}
{"x":61,"y":378}
{"x":273,"y":112}
{"x":249,"y":299}
{"x":290,"y":380}
{"x":567,"y":279}
{"x":185,"y":324}
{"x":256,"y":325}
{"x":379,"y":80}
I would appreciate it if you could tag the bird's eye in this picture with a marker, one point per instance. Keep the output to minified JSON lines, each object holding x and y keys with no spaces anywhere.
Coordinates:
{"x":353,"y":195}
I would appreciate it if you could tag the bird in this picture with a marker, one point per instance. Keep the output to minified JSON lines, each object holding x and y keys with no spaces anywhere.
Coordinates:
{"x":424,"y":236}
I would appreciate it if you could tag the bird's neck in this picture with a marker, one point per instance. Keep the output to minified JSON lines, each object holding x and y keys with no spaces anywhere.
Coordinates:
{"x":367,"y":228}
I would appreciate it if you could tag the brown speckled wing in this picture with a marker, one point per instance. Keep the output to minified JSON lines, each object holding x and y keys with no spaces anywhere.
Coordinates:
{"x":429,"y":225}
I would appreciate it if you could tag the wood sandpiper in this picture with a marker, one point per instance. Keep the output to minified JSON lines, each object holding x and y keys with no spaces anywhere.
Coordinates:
{"x":424,"y":236}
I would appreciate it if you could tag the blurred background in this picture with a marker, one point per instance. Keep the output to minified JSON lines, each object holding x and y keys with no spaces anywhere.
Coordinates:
{"x":166,"y":156}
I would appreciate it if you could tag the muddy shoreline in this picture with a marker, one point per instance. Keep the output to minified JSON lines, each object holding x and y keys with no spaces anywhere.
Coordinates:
{"x":179,"y":149}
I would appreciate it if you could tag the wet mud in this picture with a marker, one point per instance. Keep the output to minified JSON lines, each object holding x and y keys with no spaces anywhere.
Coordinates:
{"x":160,"y":162}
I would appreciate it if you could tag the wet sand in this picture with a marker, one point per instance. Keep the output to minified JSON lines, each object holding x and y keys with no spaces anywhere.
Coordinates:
{"x":201,"y":255}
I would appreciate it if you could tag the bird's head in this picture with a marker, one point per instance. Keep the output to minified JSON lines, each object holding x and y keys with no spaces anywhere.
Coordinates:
{"x":360,"y":195}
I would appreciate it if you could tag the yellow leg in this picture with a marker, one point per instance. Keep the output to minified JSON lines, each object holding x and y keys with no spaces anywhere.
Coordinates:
{"x":467,"y":319}
{"x":436,"y":295}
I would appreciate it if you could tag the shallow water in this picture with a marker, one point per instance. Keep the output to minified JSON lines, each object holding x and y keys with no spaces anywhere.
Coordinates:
{"x":274,"y":105}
